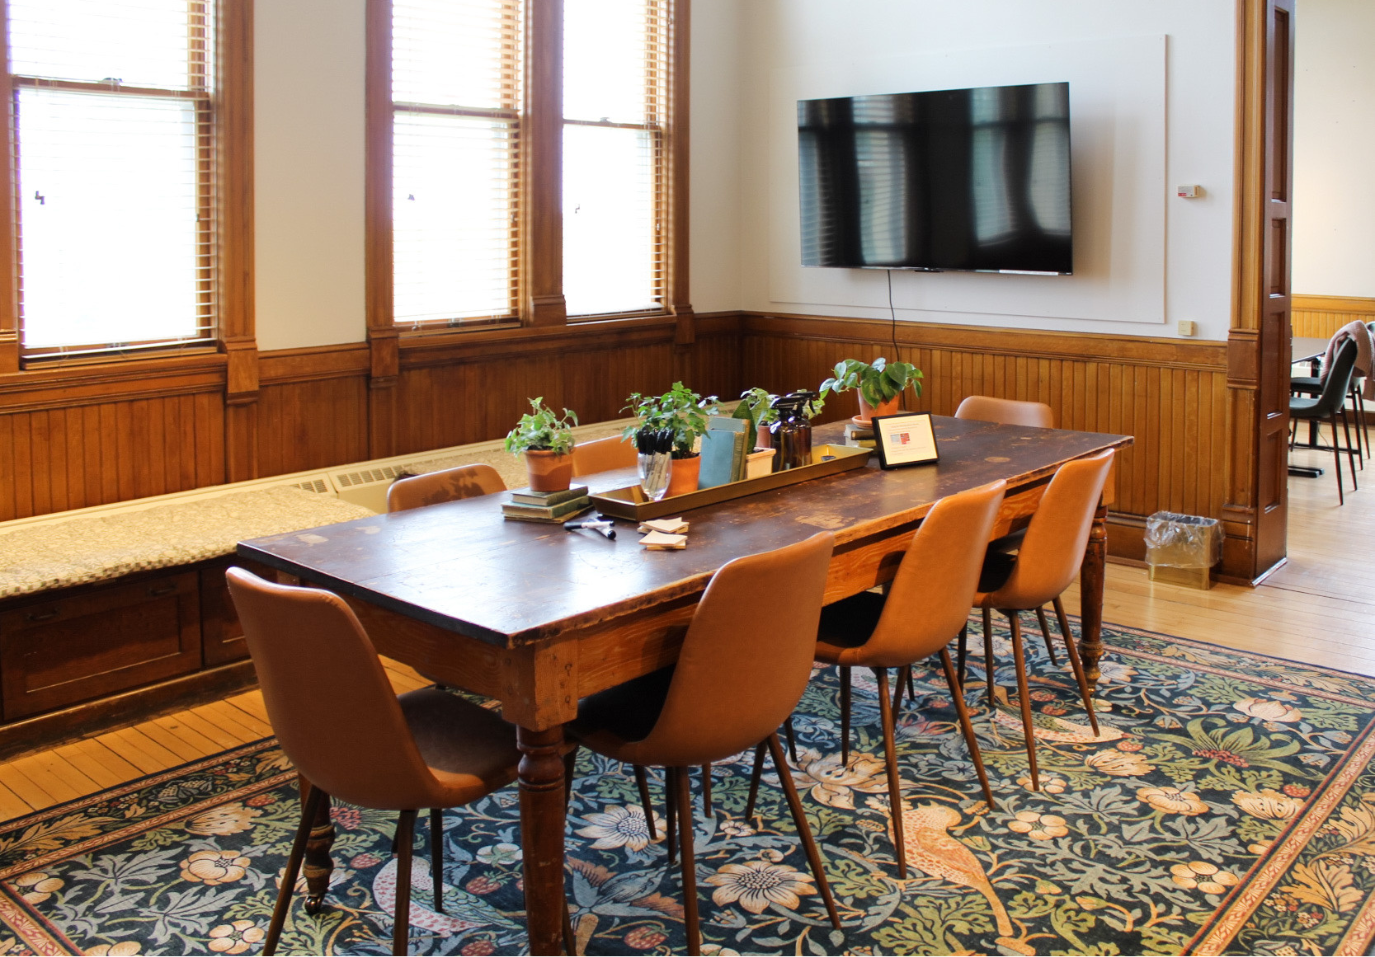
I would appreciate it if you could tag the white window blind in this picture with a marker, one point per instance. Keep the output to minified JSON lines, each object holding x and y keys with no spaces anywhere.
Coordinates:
{"x":456,"y":96}
{"x":115,"y":166}
{"x":615,"y":102}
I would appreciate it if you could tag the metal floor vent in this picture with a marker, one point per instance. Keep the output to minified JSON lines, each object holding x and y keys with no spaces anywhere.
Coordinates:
{"x":313,"y":485}
{"x":367,"y":476}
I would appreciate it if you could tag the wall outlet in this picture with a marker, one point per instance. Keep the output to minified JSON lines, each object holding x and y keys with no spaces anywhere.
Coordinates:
{"x":1191,"y":191}
{"x":1187,"y":327}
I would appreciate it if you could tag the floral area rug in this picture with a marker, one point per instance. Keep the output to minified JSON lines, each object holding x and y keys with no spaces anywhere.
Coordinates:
{"x":1228,"y":806}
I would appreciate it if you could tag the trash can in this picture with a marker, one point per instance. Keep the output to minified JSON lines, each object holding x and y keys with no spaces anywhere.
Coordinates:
{"x":1182,"y":549}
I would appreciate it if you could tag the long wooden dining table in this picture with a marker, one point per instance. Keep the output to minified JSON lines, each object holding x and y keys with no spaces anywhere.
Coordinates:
{"x":538,"y":617}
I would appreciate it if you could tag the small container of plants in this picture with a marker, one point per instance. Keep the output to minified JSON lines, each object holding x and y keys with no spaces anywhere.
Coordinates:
{"x":547,"y":441}
{"x":682,"y":412}
{"x":880,"y":385}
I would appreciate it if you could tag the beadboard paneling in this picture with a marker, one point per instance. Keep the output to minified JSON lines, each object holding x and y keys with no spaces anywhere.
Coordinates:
{"x":1318,"y":317}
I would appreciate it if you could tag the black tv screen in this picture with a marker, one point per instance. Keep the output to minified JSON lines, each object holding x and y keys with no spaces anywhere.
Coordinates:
{"x":975,"y":179}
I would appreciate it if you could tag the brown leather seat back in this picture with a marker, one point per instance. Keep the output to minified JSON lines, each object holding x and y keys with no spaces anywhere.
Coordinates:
{"x":327,"y":695}
{"x":1053,"y":549}
{"x":746,"y":658}
{"x":929,"y":600}
{"x":446,"y":485}
{"x":603,"y":455}
{"x":986,"y":408}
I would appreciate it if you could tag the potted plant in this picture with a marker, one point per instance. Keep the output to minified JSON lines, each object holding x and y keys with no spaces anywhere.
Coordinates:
{"x":684,"y":412}
{"x":756,"y":406}
{"x":547,"y":441}
{"x":880,"y":385}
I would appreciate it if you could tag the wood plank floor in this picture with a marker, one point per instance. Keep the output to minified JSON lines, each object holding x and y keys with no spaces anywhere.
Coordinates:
{"x":1320,"y":608}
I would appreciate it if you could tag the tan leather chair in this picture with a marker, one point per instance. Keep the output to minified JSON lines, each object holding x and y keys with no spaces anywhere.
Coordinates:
{"x":1042,"y":569}
{"x":987,"y":408}
{"x":603,"y":455}
{"x":742,"y":669}
{"x":927,"y":606}
{"x":446,"y":485}
{"x":352,"y":738}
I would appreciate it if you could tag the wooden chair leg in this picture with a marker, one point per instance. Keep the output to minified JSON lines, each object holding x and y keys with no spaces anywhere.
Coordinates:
{"x":963,"y":653}
{"x":1337,"y":455}
{"x":437,"y":856}
{"x":689,"y":868}
{"x":899,"y":687}
{"x":988,"y":653}
{"x":1045,"y":633}
{"x":570,"y":761}
{"x":755,"y":775}
{"x":792,"y":738}
{"x":844,"y":716}
{"x":785,"y":776}
{"x":309,"y":808}
{"x":957,"y":695}
{"x":1024,"y":694}
{"x":671,"y":815}
{"x":890,"y":756}
{"x":570,"y":943}
{"x":642,"y":782}
{"x":706,"y":790}
{"x":1084,"y":693}
{"x":401,"y":926}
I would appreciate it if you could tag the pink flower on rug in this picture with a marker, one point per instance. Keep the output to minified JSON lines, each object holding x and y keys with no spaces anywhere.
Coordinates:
{"x":479,"y":948}
{"x":348,"y":818}
{"x":645,"y":938}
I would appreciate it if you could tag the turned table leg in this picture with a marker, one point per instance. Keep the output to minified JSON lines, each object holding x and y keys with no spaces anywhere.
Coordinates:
{"x":318,"y":864}
{"x":1091,"y":575}
{"x":541,"y":825}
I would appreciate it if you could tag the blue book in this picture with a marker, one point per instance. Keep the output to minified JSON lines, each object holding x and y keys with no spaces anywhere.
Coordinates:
{"x":720,"y":444}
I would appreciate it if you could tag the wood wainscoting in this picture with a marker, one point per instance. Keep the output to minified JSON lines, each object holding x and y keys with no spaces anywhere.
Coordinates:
{"x":1169,"y":394}
{"x":1318,"y":317}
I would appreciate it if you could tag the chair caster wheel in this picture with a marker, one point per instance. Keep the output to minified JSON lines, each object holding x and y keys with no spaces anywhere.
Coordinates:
{"x":314,"y":905}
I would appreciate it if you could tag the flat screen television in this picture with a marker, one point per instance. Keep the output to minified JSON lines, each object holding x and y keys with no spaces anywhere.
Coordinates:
{"x":975,"y":180}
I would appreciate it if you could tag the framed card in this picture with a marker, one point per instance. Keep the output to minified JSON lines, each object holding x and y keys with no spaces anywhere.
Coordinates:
{"x":905,"y":439}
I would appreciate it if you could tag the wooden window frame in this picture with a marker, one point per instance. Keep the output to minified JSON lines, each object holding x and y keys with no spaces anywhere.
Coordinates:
{"x":226,"y":154}
{"x":540,"y":247}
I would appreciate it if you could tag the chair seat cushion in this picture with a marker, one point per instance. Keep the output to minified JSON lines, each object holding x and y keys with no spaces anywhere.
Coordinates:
{"x":1304,"y":409}
{"x":1305,"y":383}
{"x":621,"y":715}
{"x":471,"y":750}
{"x":996,"y":571}
{"x":845,"y":626}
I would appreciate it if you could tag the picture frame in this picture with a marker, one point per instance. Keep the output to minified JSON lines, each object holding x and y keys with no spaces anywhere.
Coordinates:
{"x":908,"y":438}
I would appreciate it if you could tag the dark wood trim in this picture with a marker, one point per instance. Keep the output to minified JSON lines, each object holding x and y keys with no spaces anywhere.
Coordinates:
{"x":9,"y":241}
{"x":680,"y":79}
{"x":1359,"y":305}
{"x":131,"y":707}
{"x":542,"y":150}
{"x":286,"y":366}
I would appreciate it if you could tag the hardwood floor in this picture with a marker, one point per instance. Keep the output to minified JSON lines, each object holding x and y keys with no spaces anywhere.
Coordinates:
{"x":1320,"y":608}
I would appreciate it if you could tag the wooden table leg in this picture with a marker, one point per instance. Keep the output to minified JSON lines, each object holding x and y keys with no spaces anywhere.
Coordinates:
{"x":1091,"y":575}
{"x":318,"y":864}
{"x":541,"y":826}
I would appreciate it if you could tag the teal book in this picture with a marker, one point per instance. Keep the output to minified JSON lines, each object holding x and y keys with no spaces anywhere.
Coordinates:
{"x":719,"y":445}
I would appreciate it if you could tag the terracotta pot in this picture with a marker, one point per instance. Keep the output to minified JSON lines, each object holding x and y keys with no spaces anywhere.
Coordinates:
{"x":867,"y":411}
{"x":762,"y":438}
{"x":549,"y":471}
{"x":682,"y":478}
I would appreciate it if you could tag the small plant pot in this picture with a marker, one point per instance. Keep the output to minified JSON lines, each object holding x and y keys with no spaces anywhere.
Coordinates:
{"x":759,"y":463}
{"x":762,"y":439}
{"x":867,"y":411}
{"x":682,"y":478}
{"x":549,"y":471}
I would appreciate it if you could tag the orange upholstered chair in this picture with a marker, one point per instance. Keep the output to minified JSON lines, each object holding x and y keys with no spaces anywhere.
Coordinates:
{"x":446,"y":485}
{"x":603,"y":455}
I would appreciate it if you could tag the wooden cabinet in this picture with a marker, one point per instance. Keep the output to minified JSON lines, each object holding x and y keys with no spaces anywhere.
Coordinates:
{"x":221,"y":634}
{"x":94,"y":641}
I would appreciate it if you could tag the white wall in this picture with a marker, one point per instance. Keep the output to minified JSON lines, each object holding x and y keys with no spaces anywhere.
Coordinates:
{"x":308,"y":169}
{"x":1334,"y":148}
{"x":793,"y":42}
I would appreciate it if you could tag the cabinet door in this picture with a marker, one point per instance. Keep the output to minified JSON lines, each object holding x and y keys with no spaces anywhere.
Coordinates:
{"x":98,"y":641}
{"x":221,"y":634}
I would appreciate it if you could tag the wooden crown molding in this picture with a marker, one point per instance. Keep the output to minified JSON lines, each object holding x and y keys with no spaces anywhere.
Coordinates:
{"x":1357,"y":305}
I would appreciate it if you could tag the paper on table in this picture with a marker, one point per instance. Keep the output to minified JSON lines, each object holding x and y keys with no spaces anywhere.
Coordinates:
{"x":661,"y":540}
{"x":669,"y":526}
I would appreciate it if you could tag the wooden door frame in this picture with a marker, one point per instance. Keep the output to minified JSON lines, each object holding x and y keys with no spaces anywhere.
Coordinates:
{"x":1256,"y":510}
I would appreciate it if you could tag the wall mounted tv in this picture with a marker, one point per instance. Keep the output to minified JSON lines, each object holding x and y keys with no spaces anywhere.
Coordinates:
{"x":975,"y":180}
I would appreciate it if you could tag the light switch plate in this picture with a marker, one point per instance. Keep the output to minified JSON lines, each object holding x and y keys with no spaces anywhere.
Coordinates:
{"x":1187,"y":327}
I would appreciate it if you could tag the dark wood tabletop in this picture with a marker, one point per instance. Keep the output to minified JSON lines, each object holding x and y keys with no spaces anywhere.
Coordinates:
{"x":462,"y":567}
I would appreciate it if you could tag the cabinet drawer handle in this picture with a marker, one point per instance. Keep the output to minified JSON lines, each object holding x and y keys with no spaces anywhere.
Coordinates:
{"x":41,"y":615}
{"x":157,"y":591}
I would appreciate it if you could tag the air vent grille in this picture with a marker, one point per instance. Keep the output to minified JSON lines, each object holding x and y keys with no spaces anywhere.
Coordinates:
{"x":367,"y":476}
{"x":313,"y":485}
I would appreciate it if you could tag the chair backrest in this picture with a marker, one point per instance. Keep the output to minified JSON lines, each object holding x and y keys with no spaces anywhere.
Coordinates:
{"x":1337,"y":381}
{"x":446,"y":485}
{"x":928,"y":602}
{"x":986,"y":408}
{"x":603,"y":455}
{"x":746,"y":658}
{"x":327,"y":695}
{"x":1053,"y":549}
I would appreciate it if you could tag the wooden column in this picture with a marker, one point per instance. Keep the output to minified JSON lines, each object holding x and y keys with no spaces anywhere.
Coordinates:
{"x":383,"y":336}
{"x":9,"y":294}
{"x":542,"y":150}
{"x":680,"y":38}
{"x":234,"y":143}
{"x":1255,"y":515}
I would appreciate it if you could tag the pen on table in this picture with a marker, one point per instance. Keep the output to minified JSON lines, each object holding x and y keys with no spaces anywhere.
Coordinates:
{"x":604,"y":526}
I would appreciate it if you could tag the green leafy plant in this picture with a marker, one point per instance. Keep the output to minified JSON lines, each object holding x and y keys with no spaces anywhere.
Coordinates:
{"x":679,"y":409}
{"x":877,"y":381}
{"x":755,"y":407}
{"x":540,"y":430}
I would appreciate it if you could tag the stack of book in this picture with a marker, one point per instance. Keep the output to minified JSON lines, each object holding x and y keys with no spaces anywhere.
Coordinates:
{"x":724,"y":447}
{"x":527,"y":505}
{"x":859,"y":436}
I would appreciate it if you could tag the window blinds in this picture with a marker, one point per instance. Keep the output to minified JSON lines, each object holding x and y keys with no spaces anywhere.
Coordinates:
{"x":615,"y":105}
{"x":115,"y":168}
{"x":456,"y":96}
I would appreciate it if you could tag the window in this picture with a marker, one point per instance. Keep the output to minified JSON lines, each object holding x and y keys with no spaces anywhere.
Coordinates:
{"x":116,"y":174}
{"x":464,"y":173}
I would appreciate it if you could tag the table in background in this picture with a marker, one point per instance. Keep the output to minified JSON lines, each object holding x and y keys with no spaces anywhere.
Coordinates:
{"x":538,"y":617}
{"x":1310,"y":350}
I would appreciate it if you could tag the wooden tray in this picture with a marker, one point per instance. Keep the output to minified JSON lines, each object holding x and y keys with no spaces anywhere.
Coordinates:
{"x":630,"y":502}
